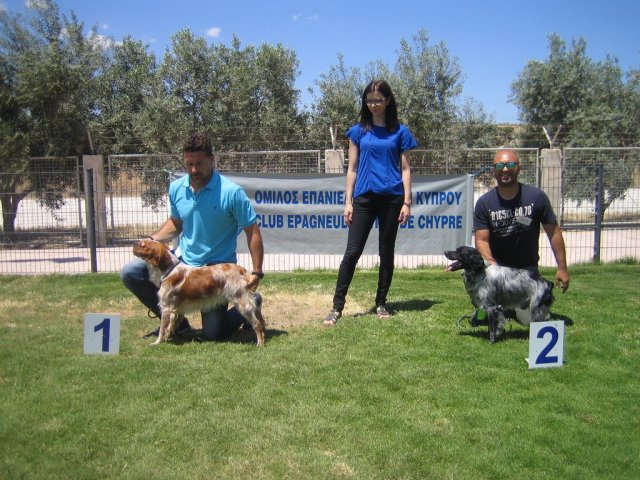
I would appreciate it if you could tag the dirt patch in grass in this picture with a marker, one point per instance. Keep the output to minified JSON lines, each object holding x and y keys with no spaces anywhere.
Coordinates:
{"x":286,"y":311}
{"x":290,"y":310}
{"x":281,"y":310}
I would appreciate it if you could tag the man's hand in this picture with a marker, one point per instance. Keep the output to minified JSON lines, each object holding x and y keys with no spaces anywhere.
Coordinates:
{"x":254,"y":280}
{"x":562,"y":279}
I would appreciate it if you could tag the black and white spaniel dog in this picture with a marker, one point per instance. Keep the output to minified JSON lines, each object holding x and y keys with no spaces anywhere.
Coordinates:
{"x":495,"y":289}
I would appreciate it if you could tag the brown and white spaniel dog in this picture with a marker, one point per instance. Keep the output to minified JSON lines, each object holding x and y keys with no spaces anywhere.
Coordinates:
{"x":185,"y":289}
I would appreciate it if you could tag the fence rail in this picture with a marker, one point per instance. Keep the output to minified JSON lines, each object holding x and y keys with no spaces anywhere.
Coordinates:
{"x":47,"y":232}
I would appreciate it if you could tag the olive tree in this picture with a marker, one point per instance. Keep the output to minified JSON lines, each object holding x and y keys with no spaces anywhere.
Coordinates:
{"x":595,"y":103}
{"x":47,"y":69}
{"x":124,"y":85}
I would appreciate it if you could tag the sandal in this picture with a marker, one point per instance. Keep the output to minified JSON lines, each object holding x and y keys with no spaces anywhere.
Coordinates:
{"x":332,"y":318}
{"x":382,"y":312}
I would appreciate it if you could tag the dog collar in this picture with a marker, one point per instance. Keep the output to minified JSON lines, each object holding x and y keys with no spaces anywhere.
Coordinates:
{"x":167,"y":272}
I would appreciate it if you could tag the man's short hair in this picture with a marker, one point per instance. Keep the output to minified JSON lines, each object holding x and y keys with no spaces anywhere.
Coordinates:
{"x":198,"y":142}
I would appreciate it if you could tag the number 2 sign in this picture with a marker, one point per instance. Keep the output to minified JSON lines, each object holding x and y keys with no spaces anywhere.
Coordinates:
{"x":546,"y":344}
{"x":101,"y":333}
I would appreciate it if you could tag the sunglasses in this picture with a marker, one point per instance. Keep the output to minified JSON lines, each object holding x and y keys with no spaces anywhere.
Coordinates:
{"x":509,"y":165}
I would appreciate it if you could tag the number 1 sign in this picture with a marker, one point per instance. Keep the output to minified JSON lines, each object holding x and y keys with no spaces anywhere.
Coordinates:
{"x":101,"y":333}
{"x":546,"y":344}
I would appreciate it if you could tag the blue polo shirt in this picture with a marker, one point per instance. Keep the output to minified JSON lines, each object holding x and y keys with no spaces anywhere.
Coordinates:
{"x":211,"y":219}
{"x":379,"y":163}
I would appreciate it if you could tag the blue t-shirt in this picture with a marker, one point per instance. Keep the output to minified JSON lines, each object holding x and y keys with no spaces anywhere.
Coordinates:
{"x":514,"y":225}
{"x":379,"y":164}
{"x":211,"y":219}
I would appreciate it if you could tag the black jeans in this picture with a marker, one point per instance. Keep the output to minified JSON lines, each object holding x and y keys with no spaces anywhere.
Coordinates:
{"x":366,"y":209}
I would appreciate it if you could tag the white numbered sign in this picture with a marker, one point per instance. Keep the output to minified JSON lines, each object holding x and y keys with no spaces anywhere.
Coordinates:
{"x":546,"y":344}
{"x":101,"y":333}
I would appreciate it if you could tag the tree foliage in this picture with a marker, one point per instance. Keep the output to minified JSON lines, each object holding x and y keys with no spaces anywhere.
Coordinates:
{"x":430,"y":86}
{"x":48,"y":67}
{"x":125,"y":84}
{"x":243,"y":97}
{"x":427,"y":83}
{"x":596,"y":105}
{"x":58,"y":83}
{"x":337,"y":105}
{"x":254,"y":100}
{"x":595,"y":102}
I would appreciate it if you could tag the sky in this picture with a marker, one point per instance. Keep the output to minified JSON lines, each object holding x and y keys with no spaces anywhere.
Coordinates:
{"x":492,"y":40}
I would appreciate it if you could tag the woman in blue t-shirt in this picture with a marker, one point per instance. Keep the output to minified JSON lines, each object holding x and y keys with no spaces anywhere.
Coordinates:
{"x":378,"y":188}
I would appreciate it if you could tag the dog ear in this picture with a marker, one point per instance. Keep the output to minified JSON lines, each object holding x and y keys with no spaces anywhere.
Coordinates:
{"x":155,"y":253}
{"x":473,"y":258}
{"x":478,"y":262}
{"x":466,"y":250}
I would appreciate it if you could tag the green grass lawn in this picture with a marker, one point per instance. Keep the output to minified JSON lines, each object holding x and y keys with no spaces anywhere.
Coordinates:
{"x":414,"y":397}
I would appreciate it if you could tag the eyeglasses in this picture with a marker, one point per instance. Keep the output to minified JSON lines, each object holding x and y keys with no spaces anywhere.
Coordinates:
{"x":509,"y":165}
{"x":375,"y":101}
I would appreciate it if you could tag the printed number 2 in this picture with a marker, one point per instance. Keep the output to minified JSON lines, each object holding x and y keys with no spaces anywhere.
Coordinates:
{"x":105,"y":326}
{"x":543,"y":358}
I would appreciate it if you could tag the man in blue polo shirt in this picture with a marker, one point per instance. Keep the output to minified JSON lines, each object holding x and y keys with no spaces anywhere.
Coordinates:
{"x":208,"y":211}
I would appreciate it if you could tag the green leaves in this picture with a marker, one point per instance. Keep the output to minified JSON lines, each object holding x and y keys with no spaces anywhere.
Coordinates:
{"x":593,"y":101}
{"x":596,"y":106}
{"x":427,"y":84}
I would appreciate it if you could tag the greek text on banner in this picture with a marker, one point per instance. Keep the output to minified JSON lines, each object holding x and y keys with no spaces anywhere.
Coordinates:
{"x":303,"y":214}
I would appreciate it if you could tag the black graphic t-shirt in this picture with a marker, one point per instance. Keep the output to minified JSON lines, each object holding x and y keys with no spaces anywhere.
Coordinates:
{"x":514,"y":225}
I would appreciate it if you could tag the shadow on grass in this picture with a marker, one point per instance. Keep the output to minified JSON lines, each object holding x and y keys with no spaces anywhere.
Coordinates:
{"x":416,"y":305}
{"x":509,"y":333}
{"x":239,"y":336}
{"x":513,"y":330}
{"x":567,"y":321}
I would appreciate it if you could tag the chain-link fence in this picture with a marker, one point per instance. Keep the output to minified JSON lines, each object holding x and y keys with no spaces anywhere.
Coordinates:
{"x":600,"y":209}
{"x":41,"y":204}
{"x":47,"y":231}
{"x":286,"y":161}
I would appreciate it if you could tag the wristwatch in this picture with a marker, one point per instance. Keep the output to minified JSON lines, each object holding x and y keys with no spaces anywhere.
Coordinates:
{"x":260,"y":275}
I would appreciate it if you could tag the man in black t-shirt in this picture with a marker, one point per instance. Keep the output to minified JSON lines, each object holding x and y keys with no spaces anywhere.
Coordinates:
{"x":507,"y":220}
{"x":506,"y":225}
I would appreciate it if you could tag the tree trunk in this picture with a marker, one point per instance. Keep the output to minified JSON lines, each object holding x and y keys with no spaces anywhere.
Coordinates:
{"x":10,"y":204}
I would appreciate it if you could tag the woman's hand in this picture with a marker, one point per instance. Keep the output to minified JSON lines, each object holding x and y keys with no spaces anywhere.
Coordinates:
{"x":348,"y":213}
{"x":405,"y":213}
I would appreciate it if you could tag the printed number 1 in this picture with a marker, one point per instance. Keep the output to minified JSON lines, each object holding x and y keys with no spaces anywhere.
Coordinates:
{"x":543,"y":358}
{"x":105,"y":326}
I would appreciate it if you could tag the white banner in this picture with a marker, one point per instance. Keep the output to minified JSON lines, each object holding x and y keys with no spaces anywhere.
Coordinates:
{"x":302,"y":214}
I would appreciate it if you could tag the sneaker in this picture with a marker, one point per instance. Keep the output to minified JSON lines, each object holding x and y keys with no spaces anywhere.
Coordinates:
{"x":479,"y":319}
{"x":332,"y":318}
{"x":382,"y":312}
{"x":182,"y":328}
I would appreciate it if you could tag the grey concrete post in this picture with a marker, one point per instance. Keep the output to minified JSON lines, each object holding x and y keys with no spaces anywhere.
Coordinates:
{"x":551,"y":178}
{"x":334,"y":161}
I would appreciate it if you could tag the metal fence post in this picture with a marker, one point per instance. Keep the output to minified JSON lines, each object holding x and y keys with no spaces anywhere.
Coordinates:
{"x":599,"y":212}
{"x":79,"y":195}
{"x":91,"y":221}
